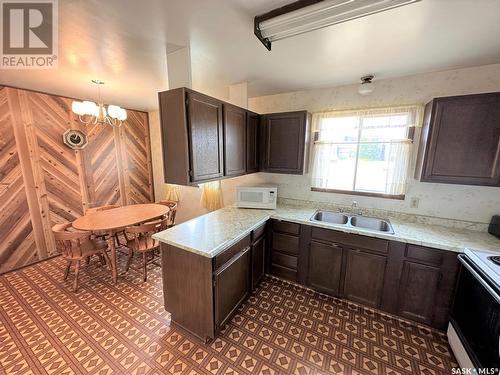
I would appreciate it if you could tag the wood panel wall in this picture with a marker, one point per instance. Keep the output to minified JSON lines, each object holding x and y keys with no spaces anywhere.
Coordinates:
{"x":43,"y":182}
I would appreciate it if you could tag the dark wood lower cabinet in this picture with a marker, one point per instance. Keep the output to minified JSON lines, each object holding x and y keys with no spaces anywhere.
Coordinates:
{"x":411,"y":281}
{"x":417,"y":291}
{"x":325,"y":267}
{"x":231,"y":287}
{"x":364,"y":277}
{"x":414,"y":282}
{"x":427,"y":281}
{"x":258,"y":261}
{"x":285,"y":246}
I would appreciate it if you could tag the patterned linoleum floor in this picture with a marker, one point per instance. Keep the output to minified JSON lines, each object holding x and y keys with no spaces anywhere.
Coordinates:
{"x":123,"y":329}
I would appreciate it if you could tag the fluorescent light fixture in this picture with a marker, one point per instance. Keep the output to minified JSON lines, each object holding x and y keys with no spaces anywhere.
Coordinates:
{"x":307,"y":15}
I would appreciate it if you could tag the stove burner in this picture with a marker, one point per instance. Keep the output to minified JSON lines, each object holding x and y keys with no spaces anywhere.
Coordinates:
{"x":495,"y":259}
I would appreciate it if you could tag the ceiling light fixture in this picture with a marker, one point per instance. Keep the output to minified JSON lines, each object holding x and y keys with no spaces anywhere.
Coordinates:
{"x":307,"y":15}
{"x":367,"y":86}
{"x":91,"y":113}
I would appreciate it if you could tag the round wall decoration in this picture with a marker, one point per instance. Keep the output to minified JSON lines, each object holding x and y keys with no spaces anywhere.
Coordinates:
{"x":75,"y":139}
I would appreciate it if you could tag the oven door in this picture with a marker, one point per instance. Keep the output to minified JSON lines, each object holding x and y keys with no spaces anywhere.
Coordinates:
{"x":475,"y":315}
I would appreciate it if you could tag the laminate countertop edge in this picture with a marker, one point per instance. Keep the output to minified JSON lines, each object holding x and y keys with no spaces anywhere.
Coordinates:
{"x":210,"y":234}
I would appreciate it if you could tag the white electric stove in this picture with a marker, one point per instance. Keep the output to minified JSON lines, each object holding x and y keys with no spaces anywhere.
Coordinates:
{"x":474,"y":330}
{"x":486,"y":261}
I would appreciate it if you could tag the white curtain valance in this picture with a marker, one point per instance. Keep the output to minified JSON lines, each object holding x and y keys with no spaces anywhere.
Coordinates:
{"x":415,"y":111}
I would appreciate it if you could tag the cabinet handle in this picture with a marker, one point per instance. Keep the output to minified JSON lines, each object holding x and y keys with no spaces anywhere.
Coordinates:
{"x":335,"y":245}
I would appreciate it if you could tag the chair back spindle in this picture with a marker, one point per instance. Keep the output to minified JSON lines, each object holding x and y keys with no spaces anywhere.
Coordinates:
{"x":69,"y":244}
{"x":171,"y":213}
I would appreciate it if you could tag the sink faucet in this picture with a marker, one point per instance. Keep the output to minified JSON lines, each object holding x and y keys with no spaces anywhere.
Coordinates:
{"x":355,"y":209}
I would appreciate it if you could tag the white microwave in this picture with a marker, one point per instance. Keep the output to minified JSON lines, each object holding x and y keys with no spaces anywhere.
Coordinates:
{"x":257,"y":197}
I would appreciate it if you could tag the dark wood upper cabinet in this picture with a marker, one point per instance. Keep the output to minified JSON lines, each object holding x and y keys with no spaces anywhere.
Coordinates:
{"x":205,"y":139}
{"x":205,"y":127}
{"x":235,"y":135}
{"x":460,"y":141}
{"x":175,"y":145}
{"x":285,"y":139}
{"x":253,"y":121}
{"x":192,"y":137}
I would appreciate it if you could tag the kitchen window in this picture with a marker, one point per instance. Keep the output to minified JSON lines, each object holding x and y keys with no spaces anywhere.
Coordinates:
{"x":364,"y":152}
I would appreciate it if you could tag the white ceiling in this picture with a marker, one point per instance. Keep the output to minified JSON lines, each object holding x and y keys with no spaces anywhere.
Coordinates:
{"x":125,"y":42}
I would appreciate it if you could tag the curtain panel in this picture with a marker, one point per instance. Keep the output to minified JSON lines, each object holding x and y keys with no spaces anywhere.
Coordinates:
{"x":364,"y":150}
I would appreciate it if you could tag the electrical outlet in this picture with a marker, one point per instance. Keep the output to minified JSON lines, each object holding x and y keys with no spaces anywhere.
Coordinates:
{"x":414,"y":202}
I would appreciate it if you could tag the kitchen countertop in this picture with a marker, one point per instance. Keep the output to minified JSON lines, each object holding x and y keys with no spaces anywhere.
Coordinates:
{"x":212,"y":233}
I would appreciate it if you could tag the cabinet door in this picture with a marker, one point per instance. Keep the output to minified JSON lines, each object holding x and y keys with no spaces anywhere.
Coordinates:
{"x":325,"y":265}
{"x":285,"y":142}
{"x":252,"y":142}
{"x":231,"y":287}
{"x":364,"y":277}
{"x":417,"y":291}
{"x":463,"y":140}
{"x":258,"y":261}
{"x":205,"y":136}
{"x":235,"y":125}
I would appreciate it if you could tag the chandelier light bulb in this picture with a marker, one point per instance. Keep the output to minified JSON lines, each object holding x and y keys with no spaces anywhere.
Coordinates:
{"x":96,"y":113}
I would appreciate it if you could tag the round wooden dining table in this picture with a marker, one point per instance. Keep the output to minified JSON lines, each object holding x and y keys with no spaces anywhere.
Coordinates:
{"x":116,"y":220}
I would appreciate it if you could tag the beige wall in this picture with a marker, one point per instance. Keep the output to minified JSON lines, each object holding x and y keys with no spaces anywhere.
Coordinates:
{"x":189,"y":205}
{"x":440,"y":200}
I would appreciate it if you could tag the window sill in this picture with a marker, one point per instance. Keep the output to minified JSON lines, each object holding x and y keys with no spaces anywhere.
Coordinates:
{"x":361,"y":193}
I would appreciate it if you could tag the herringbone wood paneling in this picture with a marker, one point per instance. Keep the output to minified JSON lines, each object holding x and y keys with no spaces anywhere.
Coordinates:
{"x":103,"y":156}
{"x":51,"y":118}
{"x":43,"y":182}
{"x":136,"y":146}
{"x":18,"y":245}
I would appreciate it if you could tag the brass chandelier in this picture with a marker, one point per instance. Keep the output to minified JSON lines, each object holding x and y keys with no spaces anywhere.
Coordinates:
{"x":91,"y":113}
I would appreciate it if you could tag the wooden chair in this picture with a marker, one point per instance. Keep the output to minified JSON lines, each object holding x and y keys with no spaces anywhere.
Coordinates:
{"x":76,"y":246}
{"x":171,"y":214}
{"x":140,"y":241}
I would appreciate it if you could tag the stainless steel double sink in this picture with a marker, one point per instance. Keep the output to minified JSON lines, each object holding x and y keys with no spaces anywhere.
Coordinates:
{"x":373,"y":224}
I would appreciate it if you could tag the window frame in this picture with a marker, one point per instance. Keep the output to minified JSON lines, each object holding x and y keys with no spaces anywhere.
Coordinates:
{"x":410,"y":138}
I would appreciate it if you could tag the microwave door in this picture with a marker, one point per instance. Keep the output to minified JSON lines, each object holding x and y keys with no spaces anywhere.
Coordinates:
{"x":251,"y":196}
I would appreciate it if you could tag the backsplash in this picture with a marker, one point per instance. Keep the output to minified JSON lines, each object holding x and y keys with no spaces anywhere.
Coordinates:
{"x":385,"y":214}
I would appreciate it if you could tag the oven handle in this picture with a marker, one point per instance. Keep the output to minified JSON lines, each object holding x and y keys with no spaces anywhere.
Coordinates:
{"x":463,"y":259}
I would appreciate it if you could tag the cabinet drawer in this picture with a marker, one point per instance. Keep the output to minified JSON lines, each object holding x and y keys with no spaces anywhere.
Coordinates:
{"x":223,"y":257}
{"x":285,"y":260}
{"x":286,"y":243}
{"x":258,"y":232}
{"x":283,"y":272}
{"x":424,"y":254}
{"x":348,"y":239}
{"x":286,"y":227}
